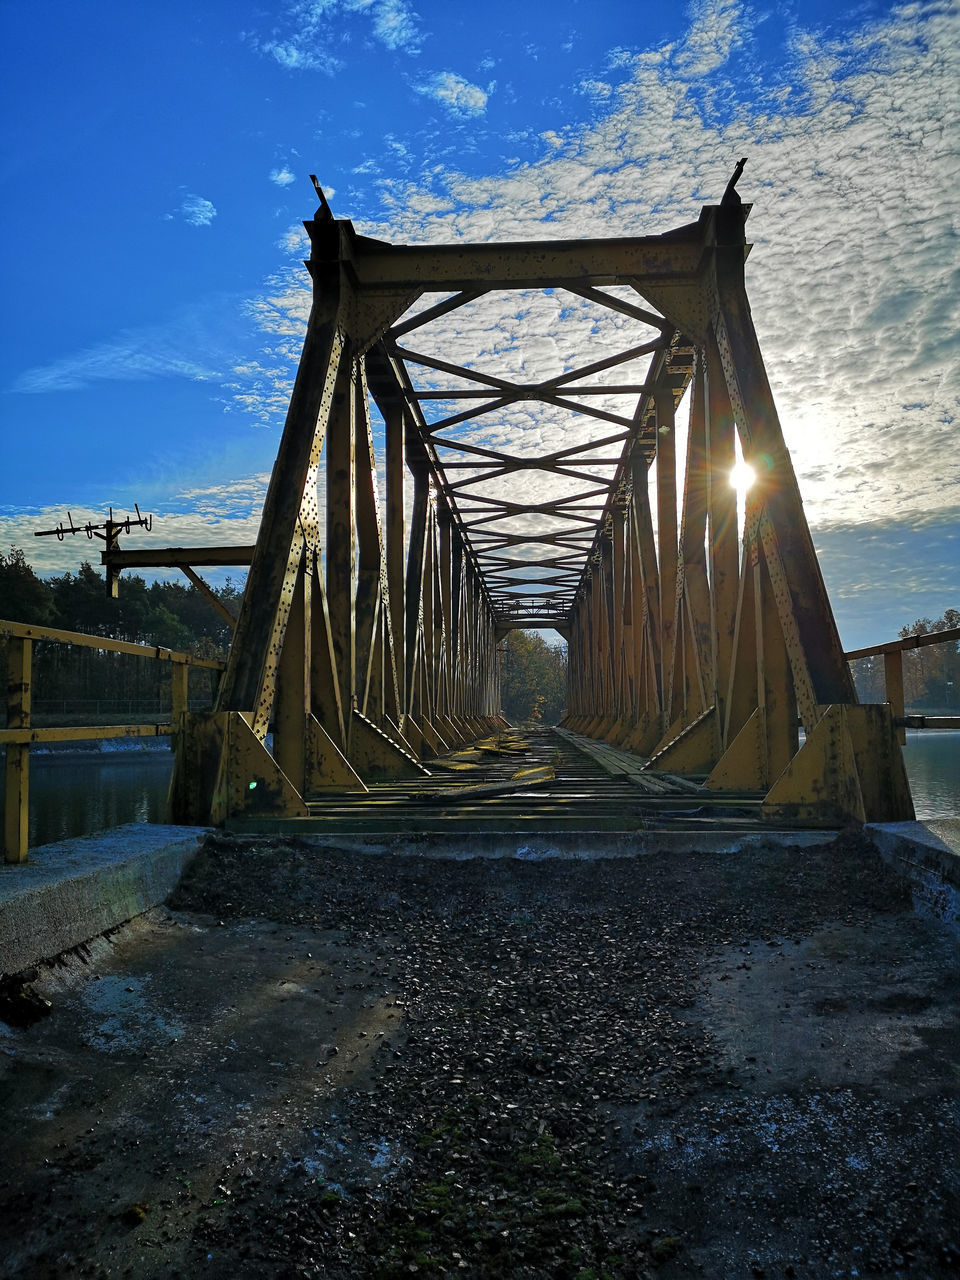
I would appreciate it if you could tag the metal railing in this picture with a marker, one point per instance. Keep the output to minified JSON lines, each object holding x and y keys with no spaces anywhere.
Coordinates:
{"x":892,"y":653}
{"x":21,"y":733}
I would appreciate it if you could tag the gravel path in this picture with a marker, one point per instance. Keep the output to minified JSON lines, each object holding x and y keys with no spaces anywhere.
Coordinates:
{"x":673,"y":1065}
{"x":566,"y":1100}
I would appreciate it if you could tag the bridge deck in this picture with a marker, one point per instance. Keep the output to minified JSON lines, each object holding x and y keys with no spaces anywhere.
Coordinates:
{"x":567,"y":783}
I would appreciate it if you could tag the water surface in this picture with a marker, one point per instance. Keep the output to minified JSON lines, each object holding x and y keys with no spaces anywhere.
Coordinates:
{"x":74,"y":794}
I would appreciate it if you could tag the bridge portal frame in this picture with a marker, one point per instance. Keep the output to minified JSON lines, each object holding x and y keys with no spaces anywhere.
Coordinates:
{"x":367,"y":660}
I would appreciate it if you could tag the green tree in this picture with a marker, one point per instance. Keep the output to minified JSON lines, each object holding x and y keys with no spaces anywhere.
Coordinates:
{"x":23,"y":596}
{"x":868,"y":676}
{"x":82,"y":603}
{"x":163,"y":613}
{"x":196,"y":614}
{"x":931,"y":675}
{"x":533,"y":678}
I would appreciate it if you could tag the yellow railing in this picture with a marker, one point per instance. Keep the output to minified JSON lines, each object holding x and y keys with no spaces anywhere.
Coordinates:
{"x":21,"y":733}
{"x":893,"y":652}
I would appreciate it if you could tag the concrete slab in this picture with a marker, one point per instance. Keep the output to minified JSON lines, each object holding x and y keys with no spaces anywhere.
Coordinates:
{"x":927,"y":854}
{"x":74,"y":890}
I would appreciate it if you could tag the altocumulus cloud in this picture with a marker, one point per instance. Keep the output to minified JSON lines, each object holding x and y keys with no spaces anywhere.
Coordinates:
{"x":282,"y":177}
{"x":228,"y":515}
{"x":853,"y":157}
{"x":308,"y":28}
{"x":459,"y":96}
{"x":394,"y":22}
{"x":197,"y":211}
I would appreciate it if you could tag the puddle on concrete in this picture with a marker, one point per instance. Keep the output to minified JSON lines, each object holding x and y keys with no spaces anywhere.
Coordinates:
{"x":129,"y":1018}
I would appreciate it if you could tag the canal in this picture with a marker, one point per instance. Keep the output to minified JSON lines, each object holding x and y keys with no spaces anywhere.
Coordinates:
{"x":75,"y":793}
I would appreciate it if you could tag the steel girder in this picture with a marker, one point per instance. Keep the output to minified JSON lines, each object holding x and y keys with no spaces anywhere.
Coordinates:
{"x":370,"y":644}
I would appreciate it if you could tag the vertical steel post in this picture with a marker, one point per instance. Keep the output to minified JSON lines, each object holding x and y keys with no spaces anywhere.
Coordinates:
{"x":370,"y":628}
{"x":666,"y":538}
{"x":723,"y":557}
{"x":820,"y":672}
{"x":179,"y":689}
{"x":16,"y":833}
{"x":893,"y":681}
{"x":649,"y":572}
{"x":293,"y":686}
{"x":395,"y":427}
{"x":341,"y":536}
{"x":414,"y":593}
{"x":619,"y":585}
{"x":179,"y":697}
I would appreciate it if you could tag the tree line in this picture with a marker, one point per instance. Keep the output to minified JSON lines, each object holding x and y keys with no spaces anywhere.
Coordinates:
{"x":931,"y":675}
{"x":171,"y":614}
{"x":176,"y":615}
{"x":533,"y":678}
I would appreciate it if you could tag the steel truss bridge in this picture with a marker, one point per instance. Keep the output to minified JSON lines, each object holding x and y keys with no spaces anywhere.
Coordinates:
{"x":519,"y":494}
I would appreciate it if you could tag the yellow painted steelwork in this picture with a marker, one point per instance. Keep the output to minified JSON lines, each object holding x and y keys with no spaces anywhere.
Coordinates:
{"x":370,"y":647}
{"x":20,"y":733}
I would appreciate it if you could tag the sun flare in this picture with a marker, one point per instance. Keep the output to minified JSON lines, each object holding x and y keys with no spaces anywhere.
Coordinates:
{"x":742,"y":477}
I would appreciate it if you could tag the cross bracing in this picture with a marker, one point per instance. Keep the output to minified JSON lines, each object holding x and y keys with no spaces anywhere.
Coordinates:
{"x":529,"y":396}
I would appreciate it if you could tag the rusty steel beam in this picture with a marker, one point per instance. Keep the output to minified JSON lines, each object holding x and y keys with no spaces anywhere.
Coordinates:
{"x":684,"y":646}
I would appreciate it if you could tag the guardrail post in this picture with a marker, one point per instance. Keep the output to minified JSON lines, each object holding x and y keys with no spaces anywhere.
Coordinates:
{"x":179,"y":694}
{"x":893,"y":679}
{"x":17,"y":814}
{"x":179,"y":678}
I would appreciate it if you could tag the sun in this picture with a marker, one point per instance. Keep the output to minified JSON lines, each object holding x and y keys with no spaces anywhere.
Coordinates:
{"x":742,"y":477}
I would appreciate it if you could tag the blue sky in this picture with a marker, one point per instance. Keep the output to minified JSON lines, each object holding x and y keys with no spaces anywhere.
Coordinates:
{"x":157,"y":169}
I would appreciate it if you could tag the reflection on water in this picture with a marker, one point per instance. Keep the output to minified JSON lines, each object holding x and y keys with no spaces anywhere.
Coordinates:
{"x":932,"y":757}
{"x":75,"y":794}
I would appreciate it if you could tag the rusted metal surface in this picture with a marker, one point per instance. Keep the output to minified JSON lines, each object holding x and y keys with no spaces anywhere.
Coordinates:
{"x":538,"y":780}
{"x":685,"y":648}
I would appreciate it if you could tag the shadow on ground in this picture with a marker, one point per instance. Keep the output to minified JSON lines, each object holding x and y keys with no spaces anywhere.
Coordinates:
{"x":333,"y":1064}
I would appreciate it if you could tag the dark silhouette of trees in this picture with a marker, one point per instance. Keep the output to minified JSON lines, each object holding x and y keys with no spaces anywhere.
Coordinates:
{"x":177,"y":616}
{"x":931,"y":676}
{"x":81,"y":682}
{"x":23,"y":596}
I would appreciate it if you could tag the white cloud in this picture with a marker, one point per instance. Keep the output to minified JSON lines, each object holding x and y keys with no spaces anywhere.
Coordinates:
{"x":197,"y":211}
{"x":853,"y":160}
{"x":227,"y":515}
{"x":715,"y":31}
{"x":459,"y":96}
{"x":191,"y":344}
{"x":295,"y":241}
{"x":296,"y":55}
{"x":853,"y":282}
{"x":599,"y":90}
{"x":282,"y":177}
{"x":311,"y":29}
{"x":395,"y":23}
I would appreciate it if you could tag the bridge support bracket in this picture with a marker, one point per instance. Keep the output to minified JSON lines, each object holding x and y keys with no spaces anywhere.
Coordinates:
{"x":743,"y":766}
{"x":376,"y":756}
{"x":222,"y":770}
{"x":327,"y":768}
{"x":693,"y":749}
{"x":849,"y":770}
